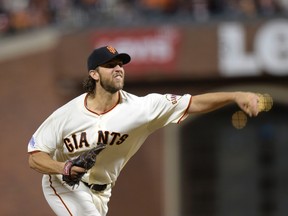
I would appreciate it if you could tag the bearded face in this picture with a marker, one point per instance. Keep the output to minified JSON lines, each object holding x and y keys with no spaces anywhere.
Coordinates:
{"x":111,"y":76}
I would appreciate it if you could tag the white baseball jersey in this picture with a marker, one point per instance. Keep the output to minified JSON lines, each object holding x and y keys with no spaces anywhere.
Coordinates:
{"x":73,"y":128}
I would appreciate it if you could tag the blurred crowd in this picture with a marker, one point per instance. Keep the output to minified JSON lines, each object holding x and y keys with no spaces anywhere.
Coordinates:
{"x":23,"y":15}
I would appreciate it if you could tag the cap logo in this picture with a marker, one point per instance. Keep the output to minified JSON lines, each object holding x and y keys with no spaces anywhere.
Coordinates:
{"x":111,"y":49}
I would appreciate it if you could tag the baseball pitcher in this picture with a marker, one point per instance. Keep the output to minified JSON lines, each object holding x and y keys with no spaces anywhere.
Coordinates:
{"x":82,"y":147}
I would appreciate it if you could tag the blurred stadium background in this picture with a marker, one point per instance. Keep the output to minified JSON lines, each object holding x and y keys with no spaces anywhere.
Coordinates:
{"x":204,"y":166}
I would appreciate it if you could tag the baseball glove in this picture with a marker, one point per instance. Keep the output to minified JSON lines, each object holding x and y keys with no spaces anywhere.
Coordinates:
{"x":85,"y":160}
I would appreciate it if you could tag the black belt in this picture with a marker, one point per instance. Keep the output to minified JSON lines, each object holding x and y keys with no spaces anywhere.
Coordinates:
{"x":96,"y":187}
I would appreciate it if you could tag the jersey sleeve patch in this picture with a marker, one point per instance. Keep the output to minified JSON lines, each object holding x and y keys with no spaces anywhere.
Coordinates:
{"x":173,"y":98}
{"x":32,"y":143}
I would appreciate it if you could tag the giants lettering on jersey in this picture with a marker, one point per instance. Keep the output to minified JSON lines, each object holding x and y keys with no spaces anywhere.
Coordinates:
{"x":106,"y":137}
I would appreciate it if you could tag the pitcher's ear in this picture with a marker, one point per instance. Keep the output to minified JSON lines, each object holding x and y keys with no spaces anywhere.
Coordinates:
{"x":94,"y":74}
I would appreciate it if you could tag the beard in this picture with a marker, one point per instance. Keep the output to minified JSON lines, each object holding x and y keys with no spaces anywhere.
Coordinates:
{"x":110,"y":86}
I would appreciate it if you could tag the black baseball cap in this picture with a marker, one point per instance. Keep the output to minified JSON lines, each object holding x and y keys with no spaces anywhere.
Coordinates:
{"x":105,"y":54}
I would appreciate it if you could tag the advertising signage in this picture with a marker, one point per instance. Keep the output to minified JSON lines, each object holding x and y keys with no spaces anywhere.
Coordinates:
{"x":152,"y":49}
{"x":228,"y":49}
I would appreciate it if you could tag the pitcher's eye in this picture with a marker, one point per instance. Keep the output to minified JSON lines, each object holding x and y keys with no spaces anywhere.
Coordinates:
{"x":112,"y":64}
